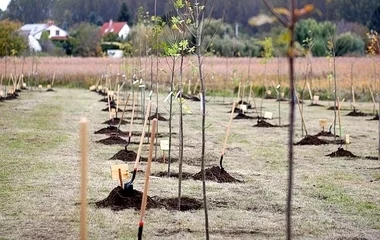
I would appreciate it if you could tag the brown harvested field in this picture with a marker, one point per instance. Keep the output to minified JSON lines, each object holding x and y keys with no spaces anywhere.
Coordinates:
{"x":219,"y":71}
{"x":334,"y":198}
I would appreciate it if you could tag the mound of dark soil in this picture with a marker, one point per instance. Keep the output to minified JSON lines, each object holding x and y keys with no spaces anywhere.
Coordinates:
{"x":325,"y":134}
{"x":118,"y":199}
{"x":242,"y":116}
{"x":125,"y":155}
{"x":356,"y":113}
{"x":316,"y":105}
{"x":282,"y":100}
{"x":342,"y":153}
{"x":158,"y":117}
{"x":50,"y":90}
{"x":262,"y":123}
{"x":106,"y":109}
{"x":215,"y":174}
{"x":311,"y":140}
{"x":185,"y":175}
{"x":115,"y":121}
{"x":371,"y":158}
{"x":249,"y":106}
{"x":187,"y":203}
{"x":374,"y":118}
{"x":113,"y":140}
{"x":332,"y":108}
{"x":111,"y":130}
{"x":103,"y":100}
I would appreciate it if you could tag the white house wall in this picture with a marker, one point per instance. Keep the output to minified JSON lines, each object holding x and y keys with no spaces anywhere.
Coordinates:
{"x":53,"y":29}
{"x":124,"y":31}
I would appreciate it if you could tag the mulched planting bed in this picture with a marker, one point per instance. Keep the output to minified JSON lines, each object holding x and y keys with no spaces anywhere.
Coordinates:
{"x":118,"y":199}
{"x":185,"y":175}
{"x":215,"y":174}
{"x":262,"y":123}
{"x":113,"y":140}
{"x":342,"y":153}
{"x":356,"y":113}
{"x":159,"y":117}
{"x":311,"y":140}
{"x":115,"y":121}
{"x":243,"y":116}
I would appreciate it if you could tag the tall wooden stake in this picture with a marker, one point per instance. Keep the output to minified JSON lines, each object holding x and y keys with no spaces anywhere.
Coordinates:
{"x":83,"y":182}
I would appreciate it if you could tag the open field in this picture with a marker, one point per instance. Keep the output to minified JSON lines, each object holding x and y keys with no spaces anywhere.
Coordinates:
{"x":221,"y":73}
{"x":334,"y":198}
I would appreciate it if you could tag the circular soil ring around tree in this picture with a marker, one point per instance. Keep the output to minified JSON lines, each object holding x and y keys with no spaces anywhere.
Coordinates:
{"x":118,"y":199}
{"x":115,"y":121}
{"x":356,"y":114}
{"x":187,"y":203}
{"x":325,"y":134}
{"x":342,"y":153}
{"x":375,"y":118}
{"x":311,"y":140}
{"x":217,"y":175}
{"x":158,"y":117}
{"x":242,"y":116}
{"x":316,"y":105}
{"x":262,"y":123}
{"x":111,"y":130}
{"x":113,"y":140}
{"x":50,"y":90}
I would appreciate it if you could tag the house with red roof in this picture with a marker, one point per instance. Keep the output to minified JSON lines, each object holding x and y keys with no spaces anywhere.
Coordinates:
{"x":120,"y":28}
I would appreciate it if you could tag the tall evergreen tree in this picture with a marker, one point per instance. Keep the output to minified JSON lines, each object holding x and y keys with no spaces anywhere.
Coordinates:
{"x":124,"y":15}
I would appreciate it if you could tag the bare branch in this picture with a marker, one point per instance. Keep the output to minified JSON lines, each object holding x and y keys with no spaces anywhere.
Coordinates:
{"x":278,"y":16}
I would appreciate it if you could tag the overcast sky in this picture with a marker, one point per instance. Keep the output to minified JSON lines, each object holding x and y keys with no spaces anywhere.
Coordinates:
{"x":4,"y":4}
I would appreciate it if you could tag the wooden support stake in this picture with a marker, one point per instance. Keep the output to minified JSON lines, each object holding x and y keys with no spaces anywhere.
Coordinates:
{"x":120,"y":178}
{"x":147,"y":175}
{"x":83,"y":170}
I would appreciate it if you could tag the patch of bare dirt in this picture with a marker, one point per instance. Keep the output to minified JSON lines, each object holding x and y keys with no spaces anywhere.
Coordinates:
{"x":342,"y":153}
{"x":125,"y":155}
{"x":371,"y":158}
{"x":217,"y":175}
{"x":311,"y":140}
{"x":187,"y":203}
{"x":185,"y":175}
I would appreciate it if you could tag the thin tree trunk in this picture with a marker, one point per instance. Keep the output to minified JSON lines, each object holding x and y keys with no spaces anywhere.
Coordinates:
{"x":180,"y":134}
{"x":171,"y":116}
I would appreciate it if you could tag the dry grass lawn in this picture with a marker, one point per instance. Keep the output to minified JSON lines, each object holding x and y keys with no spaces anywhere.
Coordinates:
{"x":334,"y":198}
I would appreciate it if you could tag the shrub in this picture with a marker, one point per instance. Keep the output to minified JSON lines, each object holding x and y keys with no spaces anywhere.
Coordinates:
{"x":349,"y":43}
